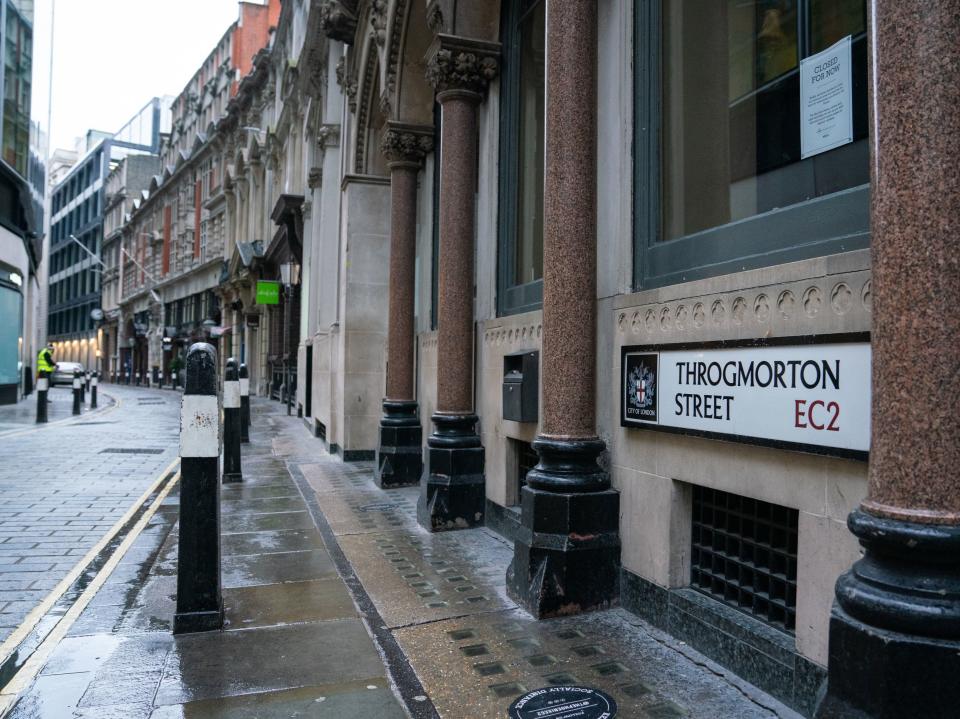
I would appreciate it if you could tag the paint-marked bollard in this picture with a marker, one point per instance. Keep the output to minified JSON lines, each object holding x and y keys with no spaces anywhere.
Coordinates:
{"x":43,"y":384}
{"x":199,"y":596}
{"x":232,"y":471}
{"x":77,"y":388}
{"x":94,"y":381}
{"x":244,"y":404}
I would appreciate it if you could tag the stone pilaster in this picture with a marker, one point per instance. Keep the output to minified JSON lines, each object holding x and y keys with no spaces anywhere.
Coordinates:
{"x":567,"y":556}
{"x":399,"y":458}
{"x":895,"y":627}
{"x":453,"y":495}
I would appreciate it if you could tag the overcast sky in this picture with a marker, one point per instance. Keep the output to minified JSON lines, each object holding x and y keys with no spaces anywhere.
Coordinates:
{"x":111,"y":56}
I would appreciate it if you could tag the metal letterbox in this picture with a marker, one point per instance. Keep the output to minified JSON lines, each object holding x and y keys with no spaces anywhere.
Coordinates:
{"x":521,"y":383}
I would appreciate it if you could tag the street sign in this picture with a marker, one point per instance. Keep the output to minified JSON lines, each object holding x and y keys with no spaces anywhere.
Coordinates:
{"x":268,"y":293}
{"x":792,"y":393}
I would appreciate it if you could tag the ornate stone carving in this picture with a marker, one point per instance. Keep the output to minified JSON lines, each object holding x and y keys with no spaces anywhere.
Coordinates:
{"x":378,"y":21}
{"x":406,"y":143}
{"x":328,"y":136}
{"x":338,"y":21}
{"x":315,"y":177}
{"x":434,"y":16}
{"x":462,"y":64}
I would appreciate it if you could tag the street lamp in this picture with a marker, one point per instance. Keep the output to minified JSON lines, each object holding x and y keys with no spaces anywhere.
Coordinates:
{"x":289,"y":276}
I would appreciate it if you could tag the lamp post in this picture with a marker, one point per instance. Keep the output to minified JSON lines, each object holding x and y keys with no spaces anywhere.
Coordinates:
{"x":289,"y":276}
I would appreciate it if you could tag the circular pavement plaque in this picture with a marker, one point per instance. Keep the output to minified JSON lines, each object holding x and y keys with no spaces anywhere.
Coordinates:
{"x":564,"y":703}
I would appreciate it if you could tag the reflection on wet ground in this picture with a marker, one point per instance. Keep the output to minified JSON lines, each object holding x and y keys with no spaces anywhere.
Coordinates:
{"x":300,"y":618}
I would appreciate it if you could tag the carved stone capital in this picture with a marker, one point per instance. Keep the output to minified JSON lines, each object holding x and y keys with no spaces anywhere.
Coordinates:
{"x":338,"y":18}
{"x":406,"y":143}
{"x":457,"y":63}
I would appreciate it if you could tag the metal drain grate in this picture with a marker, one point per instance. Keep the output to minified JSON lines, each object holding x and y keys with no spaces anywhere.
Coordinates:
{"x":131,"y":450}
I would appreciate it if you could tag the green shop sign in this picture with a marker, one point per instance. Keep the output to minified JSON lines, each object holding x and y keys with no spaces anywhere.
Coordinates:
{"x":268,"y":293}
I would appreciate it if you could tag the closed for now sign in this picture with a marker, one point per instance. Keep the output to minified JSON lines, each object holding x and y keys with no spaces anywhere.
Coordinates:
{"x":810,"y":394}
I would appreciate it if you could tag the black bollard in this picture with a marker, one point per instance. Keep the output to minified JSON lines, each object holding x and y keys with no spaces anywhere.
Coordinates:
{"x":244,"y":403}
{"x":43,"y":384}
{"x":77,"y":389}
{"x":160,"y":379}
{"x":232,"y":471}
{"x":199,"y":596}
{"x":87,"y":377}
{"x":93,"y":390}
{"x":138,"y":378}
{"x":84,"y":381}
{"x":173,"y":380}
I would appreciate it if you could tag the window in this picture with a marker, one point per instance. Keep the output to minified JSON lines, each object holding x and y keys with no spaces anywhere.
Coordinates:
{"x":522,"y":108}
{"x":720,"y":182}
{"x":744,"y":553}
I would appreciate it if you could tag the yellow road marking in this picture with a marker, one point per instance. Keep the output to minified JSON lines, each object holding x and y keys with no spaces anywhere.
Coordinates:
{"x":37,"y":613}
{"x":66,"y":420}
{"x":37,"y":660}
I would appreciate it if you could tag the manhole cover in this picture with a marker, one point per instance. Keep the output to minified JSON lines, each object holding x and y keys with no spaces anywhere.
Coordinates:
{"x":564,"y":703}
{"x":131,"y":450}
{"x":378,"y":507}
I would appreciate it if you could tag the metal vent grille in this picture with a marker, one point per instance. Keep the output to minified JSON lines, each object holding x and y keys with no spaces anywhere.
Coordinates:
{"x":744,"y":554}
{"x":131,"y":450}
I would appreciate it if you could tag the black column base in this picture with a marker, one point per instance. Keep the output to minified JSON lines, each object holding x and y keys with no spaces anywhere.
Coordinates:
{"x":879,"y":674}
{"x":895,"y":627}
{"x":454,"y":493}
{"x":400,"y":450}
{"x":566,"y":559}
{"x":197,"y":622}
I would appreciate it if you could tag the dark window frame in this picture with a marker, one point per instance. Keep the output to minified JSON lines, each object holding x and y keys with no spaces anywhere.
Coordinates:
{"x":839,"y":222}
{"x":512,"y":298}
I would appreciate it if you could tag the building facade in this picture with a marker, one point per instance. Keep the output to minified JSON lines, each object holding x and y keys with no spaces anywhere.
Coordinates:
{"x":176,"y":237}
{"x":21,"y":229}
{"x":77,"y":205}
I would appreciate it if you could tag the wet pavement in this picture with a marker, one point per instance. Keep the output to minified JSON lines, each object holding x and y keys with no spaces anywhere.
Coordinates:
{"x":339,"y":605}
{"x":66,"y":484}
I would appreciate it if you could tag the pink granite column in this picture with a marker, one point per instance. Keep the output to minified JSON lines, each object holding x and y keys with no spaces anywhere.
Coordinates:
{"x":454,"y":496}
{"x":399,"y":460}
{"x":895,"y":629}
{"x":567,"y":558}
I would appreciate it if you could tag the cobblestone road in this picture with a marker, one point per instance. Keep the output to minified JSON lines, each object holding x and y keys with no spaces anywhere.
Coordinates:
{"x":64,"y":485}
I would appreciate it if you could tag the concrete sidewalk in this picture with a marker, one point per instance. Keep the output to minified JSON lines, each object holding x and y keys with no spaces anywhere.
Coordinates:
{"x":339,"y":605}
{"x":294,"y":645}
{"x":23,"y":414}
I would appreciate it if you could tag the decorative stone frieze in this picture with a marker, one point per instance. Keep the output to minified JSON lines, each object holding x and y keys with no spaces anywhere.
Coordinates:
{"x":456,"y":63}
{"x":338,"y":19}
{"x":406,"y":143}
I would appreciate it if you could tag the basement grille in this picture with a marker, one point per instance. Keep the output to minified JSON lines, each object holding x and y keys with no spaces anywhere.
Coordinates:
{"x":744,"y":553}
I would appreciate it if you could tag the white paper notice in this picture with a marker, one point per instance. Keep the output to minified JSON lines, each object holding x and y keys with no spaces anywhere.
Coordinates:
{"x":826,"y":108}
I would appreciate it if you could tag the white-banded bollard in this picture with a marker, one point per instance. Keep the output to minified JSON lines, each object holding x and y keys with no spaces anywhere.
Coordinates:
{"x":84,"y":384}
{"x":160,"y":379}
{"x":77,"y":388}
{"x":87,"y":377}
{"x":94,"y":381}
{"x":43,"y":384}
{"x":199,"y":595}
{"x":138,"y":378}
{"x":244,"y":403}
{"x":173,"y":380}
{"x":232,"y":471}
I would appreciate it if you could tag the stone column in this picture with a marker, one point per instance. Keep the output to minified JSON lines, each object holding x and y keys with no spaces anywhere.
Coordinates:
{"x":399,"y":454}
{"x":895,"y":627}
{"x":567,"y":555}
{"x":453,"y":496}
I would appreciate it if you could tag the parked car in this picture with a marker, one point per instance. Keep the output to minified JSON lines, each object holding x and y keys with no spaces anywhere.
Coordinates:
{"x":63,"y":373}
